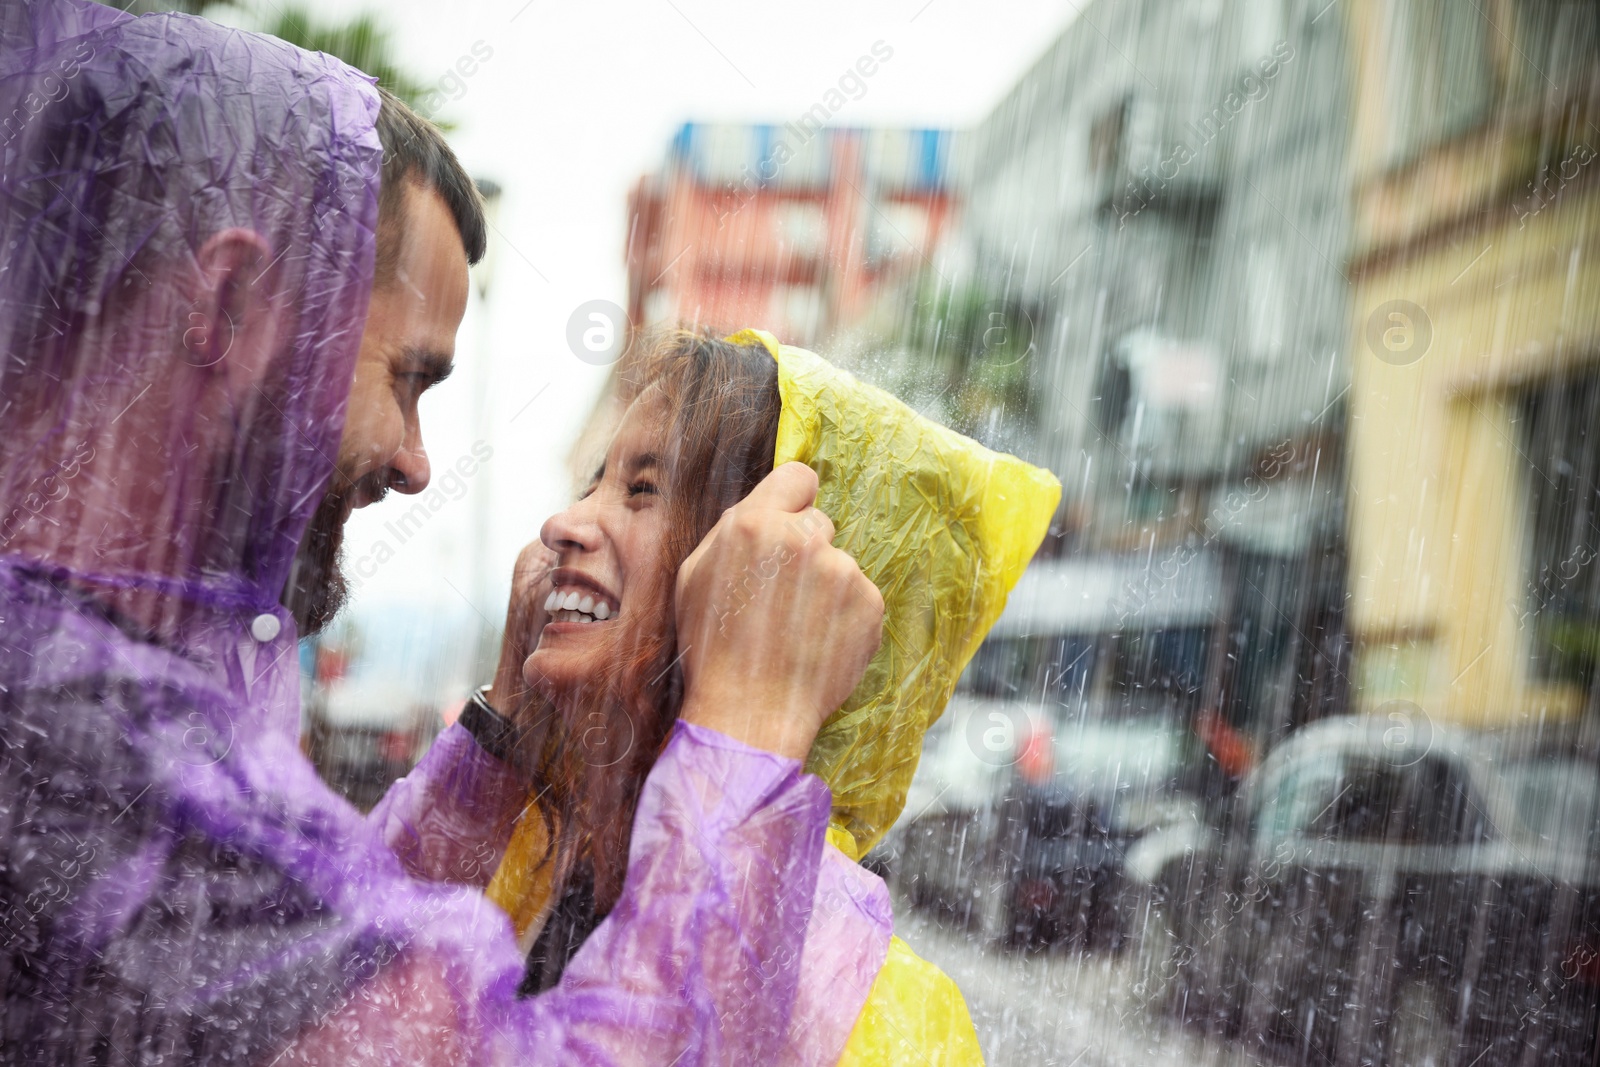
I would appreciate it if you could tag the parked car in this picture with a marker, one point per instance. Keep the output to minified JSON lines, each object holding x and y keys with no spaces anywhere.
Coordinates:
{"x":1386,"y":895}
{"x":1070,"y":817}
{"x":939,"y":852}
{"x":1026,"y":843}
{"x":363,"y":737}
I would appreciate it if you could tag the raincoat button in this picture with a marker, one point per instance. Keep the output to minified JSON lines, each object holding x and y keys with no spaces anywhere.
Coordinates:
{"x":265,"y":627}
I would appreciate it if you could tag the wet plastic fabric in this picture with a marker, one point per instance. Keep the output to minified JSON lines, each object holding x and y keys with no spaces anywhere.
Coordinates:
{"x":865,"y":999}
{"x":173,"y":909}
{"x":125,"y":142}
{"x":913,"y":1015}
{"x":176,"y":884}
{"x":944,"y":528}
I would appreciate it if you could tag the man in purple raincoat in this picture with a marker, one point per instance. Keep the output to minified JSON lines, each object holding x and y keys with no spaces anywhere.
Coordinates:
{"x":213,"y":333}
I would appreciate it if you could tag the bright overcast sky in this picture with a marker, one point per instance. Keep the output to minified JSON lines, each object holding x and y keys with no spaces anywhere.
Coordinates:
{"x":577,"y":100}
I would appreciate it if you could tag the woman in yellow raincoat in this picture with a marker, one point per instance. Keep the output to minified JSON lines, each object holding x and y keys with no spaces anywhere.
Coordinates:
{"x":940,"y":524}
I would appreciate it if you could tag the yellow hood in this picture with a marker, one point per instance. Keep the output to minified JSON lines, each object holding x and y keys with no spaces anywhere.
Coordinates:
{"x":942,"y":526}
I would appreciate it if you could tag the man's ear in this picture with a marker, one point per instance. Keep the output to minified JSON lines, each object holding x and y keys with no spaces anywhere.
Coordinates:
{"x":234,"y":322}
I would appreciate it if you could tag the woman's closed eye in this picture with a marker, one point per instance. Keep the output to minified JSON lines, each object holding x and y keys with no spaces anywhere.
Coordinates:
{"x":641,"y":487}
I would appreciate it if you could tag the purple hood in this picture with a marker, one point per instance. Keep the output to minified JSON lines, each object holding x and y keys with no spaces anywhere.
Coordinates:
{"x":123,"y":150}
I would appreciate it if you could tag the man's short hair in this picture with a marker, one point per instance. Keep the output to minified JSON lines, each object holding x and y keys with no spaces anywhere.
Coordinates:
{"x":414,"y":151}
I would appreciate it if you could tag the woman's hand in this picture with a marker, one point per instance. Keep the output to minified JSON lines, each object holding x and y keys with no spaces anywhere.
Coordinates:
{"x":525,"y":617}
{"x":775,"y":625}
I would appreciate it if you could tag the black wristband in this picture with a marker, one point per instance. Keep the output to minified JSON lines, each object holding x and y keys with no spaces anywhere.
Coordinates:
{"x":493,"y":731}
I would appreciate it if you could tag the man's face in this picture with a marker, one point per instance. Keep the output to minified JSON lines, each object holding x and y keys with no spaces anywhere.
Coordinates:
{"x":407,"y":346}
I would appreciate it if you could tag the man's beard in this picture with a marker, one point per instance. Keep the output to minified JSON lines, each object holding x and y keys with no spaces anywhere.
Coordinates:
{"x":317,"y":590}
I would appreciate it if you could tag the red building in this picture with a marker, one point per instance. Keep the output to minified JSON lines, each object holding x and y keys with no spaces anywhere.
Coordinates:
{"x":793,"y":228}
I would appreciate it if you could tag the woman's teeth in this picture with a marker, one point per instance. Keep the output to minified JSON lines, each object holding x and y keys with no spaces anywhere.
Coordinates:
{"x":572,"y":606}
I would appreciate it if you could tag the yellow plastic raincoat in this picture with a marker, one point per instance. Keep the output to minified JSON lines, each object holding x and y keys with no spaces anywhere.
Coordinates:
{"x":944,"y":528}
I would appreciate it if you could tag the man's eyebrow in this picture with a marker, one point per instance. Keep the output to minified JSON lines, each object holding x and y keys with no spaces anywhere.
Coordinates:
{"x":430,"y":363}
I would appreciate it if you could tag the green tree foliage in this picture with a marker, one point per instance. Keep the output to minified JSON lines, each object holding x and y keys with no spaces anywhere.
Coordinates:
{"x":362,"y":42}
{"x":981,"y":343}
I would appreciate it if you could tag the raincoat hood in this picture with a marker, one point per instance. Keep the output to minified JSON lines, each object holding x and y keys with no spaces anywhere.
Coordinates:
{"x":126,"y":144}
{"x":942,"y":526}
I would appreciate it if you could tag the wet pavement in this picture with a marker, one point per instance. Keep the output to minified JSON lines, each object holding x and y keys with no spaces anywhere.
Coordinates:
{"x":1060,"y":1007}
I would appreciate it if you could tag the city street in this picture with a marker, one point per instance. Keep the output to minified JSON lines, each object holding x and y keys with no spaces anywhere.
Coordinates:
{"x":1058,"y":1008}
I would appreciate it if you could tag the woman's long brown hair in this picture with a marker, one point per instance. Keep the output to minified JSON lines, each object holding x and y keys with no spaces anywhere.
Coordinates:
{"x":722,"y":406}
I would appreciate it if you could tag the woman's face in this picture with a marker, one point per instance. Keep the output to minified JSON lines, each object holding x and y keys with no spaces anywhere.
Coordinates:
{"x":608,"y":544}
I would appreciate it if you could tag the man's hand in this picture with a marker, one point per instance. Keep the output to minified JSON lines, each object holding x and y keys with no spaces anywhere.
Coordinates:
{"x":525,"y":617}
{"x":775,"y":625}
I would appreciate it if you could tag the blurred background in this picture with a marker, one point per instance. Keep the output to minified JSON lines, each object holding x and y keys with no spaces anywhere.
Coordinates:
{"x":1285,"y":749}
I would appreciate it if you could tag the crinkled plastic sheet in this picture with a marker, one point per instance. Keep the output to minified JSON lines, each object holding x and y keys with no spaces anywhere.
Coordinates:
{"x":944,"y":528}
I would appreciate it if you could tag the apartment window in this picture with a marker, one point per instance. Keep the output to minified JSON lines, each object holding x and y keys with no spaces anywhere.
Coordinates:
{"x":1262,"y":28}
{"x":802,"y":227}
{"x":1266,"y":303}
{"x":726,"y":153}
{"x":1561,"y":440}
{"x":1106,"y":135}
{"x":1558,"y":45}
{"x":896,"y":228}
{"x":806,"y":162}
{"x":1440,"y":76}
{"x":905,"y":159}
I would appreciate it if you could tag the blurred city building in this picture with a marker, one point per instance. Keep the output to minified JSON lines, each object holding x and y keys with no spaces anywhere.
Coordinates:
{"x":1145,"y":295}
{"x":1299,"y":299}
{"x":787,"y":226}
{"x":794,"y":228}
{"x":1130,"y":272}
{"x":1475,"y":355}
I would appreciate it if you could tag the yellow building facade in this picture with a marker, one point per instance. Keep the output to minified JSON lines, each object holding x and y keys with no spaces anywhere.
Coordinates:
{"x":1474,"y":280}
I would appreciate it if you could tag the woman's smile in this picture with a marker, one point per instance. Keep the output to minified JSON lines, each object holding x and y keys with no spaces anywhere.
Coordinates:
{"x":574,"y":610}
{"x":578,"y":598}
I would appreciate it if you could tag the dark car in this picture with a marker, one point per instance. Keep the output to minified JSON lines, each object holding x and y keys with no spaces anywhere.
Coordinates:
{"x":363,"y":737}
{"x":940,"y":853}
{"x":1387,"y":895}
{"x":1030,"y":852}
{"x":1071,"y":815}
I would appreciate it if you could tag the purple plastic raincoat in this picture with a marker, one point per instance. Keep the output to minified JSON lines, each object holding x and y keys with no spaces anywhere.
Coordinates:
{"x":176,"y":884}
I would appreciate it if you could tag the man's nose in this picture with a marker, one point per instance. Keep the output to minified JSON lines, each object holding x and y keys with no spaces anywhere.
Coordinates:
{"x":410,"y":464}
